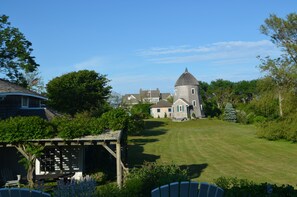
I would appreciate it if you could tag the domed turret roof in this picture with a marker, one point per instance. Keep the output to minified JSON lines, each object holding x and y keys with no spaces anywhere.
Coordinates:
{"x":186,"y":79}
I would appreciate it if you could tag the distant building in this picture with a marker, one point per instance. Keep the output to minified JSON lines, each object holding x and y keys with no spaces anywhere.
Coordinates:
{"x":187,"y":102}
{"x":162,"y":109}
{"x":144,"y":96}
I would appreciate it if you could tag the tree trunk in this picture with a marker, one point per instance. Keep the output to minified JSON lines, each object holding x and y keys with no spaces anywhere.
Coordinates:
{"x":30,"y":170}
{"x":280,"y":99}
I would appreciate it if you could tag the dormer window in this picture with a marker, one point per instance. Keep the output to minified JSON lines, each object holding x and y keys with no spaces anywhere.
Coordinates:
{"x":25,"y":102}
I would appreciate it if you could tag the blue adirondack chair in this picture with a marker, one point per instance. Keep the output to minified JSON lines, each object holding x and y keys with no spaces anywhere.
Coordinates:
{"x":22,"y":192}
{"x":187,"y":189}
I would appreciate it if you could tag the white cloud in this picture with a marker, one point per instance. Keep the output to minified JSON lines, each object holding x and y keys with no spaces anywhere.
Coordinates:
{"x":90,"y":64}
{"x":217,"y":52}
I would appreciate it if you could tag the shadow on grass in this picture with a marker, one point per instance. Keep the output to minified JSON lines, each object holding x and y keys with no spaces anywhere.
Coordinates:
{"x":136,"y":157}
{"x":194,"y":170}
{"x":149,"y":124}
{"x":157,"y":132}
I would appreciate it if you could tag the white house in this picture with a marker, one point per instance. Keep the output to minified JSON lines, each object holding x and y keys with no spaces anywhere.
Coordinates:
{"x":162,"y":109}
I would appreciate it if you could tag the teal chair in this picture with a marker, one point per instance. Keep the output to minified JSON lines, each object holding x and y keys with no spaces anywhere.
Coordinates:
{"x":187,"y":189}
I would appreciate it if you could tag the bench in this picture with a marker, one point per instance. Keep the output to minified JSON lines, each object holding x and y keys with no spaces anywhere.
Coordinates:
{"x":22,"y":192}
{"x":187,"y":189}
{"x":7,"y":177}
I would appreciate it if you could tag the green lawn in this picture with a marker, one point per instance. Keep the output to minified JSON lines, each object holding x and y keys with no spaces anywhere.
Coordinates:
{"x":213,"y":148}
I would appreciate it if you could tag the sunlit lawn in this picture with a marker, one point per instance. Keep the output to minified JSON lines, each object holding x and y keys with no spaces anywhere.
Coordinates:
{"x":213,"y":148}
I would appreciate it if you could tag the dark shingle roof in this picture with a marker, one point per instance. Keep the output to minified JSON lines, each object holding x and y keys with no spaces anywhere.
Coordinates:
{"x":7,"y":87}
{"x":186,"y":79}
{"x":161,"y":103}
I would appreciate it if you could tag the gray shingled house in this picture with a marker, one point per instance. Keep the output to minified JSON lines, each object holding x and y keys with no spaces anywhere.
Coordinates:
{"x":60,"y":156}
{"x":187,"y":102}
{"x":18,"y":101}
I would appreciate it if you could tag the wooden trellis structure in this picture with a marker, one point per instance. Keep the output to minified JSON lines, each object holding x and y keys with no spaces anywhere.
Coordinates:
{"x":105,"y":140}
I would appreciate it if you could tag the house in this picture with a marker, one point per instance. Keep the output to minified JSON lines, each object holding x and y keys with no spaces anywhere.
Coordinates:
{"x":187,"y":102}
{"x":150,"y":96}
{"x":18,"y":101}
{"x":144,"y":96}
{"x":130,"y":99}
{"x":162,"y":109}
{"x":60,"y":156}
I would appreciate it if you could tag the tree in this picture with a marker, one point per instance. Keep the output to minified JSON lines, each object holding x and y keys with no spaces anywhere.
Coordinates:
{"x":18,"y":130}
{"x":229,"y":113}
{"x":222,"y":91}
{"x":78,"y":92}
{"x":283,"y":33}
{"x":282,"y":70}
{"x":15,"y":53}
{"x":34,"y":82}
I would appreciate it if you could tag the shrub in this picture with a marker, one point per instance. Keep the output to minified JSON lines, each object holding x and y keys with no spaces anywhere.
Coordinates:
{"x":142,"y":110}
{"x":110,"y":190}
{"x":241,"y":117}
{"x":23,"y":128}
{"x":229,"y":113}
{"x":233,"y":186}
{"x":99,"y":177}
{"x":68,"y":127}
{"x":82,"y":188}
{"x":142,"y":180}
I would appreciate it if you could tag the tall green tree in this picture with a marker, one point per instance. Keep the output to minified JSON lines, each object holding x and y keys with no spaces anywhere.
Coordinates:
{"x":78,"y":92}
{"x":15,"y":53}
{"x":282,"y":70}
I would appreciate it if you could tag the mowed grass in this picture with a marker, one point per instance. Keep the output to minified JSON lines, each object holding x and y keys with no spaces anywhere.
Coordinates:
{"x":214,"y":148}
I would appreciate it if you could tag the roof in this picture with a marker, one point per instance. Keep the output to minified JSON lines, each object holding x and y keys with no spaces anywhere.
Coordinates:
{"x":165,"y":95}
{"x":161,"y":104}
{"x":149,"y":93}
{"x":182,"y":99}
{"x":8,"y":88}
{"x":186,"y":79}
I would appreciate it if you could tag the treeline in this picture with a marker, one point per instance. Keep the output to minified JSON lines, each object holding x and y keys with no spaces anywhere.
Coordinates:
{"x":271,"y":100}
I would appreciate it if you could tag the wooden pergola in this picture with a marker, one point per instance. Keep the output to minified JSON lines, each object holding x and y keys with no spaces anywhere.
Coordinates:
{"x":104,"y":140}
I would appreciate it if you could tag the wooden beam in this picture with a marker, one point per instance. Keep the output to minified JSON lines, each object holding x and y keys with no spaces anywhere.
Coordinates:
{"x":119,"y":167}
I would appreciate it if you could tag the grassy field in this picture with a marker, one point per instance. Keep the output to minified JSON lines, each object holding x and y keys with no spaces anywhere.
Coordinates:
{"x":213,"y":148}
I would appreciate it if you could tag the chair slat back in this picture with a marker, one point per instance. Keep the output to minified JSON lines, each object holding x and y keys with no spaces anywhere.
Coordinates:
{"x":187,"y":189}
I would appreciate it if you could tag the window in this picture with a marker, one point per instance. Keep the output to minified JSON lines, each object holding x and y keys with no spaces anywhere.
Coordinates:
{"x":158,"y":110}
{"x":180,"y":108}
{"x":193,"y":90}
{"x":47,"y":160}
{"x":169,"y":109}
{"x":194,"y":103}
{"x":25,"y":102}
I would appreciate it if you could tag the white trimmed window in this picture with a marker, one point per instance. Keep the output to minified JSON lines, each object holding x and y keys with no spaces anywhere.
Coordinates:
{"x":180,"y":108}
{"x":158,"y":110}
{"x":25,"y":102}
{"x":194,"y":103}
{"x":193,"y":90}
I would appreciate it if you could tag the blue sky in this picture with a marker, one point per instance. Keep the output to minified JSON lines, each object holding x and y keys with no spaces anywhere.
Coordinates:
{"x":147,"y":44}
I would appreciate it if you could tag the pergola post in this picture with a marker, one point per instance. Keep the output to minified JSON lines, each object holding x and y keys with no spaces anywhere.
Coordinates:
{"x":119,"y":167}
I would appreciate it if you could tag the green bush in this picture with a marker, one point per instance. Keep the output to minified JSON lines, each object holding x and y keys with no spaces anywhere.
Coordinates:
{"x":233,"y":186}
{"x":242,"y":117}
{"x":285,"y":128}
{"x":79,"y":126}
{"x":142,"y":180}
{"x":18,"y":129}
{"x":120,"y":119}
{"x":99,"y":177}
{"x":110,"y":190}
{"x":142,"y":110}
